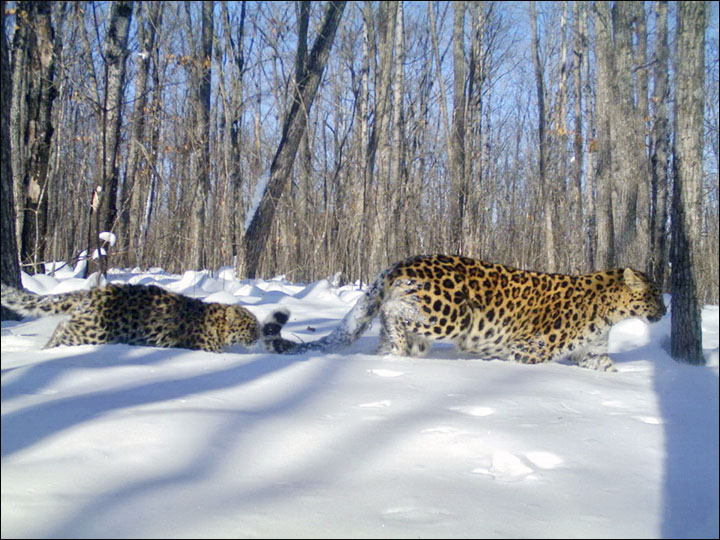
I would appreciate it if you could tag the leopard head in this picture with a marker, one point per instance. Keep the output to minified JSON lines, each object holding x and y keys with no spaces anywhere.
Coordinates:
{"x":242,"y":326}
{"x":643,"y":298}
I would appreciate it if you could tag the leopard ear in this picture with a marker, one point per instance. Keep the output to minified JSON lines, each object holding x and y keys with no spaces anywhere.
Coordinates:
{"x":635,"y":281}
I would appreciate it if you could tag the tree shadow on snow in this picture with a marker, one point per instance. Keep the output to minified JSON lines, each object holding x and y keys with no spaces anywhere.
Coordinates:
{"x":91,"y":520}
{"x":690,"y":484}
{"x":688,"y":405}
{"x":36,"y":378}
{"x":32,"y":424}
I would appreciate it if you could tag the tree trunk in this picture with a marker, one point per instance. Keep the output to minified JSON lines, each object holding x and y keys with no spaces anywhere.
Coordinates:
{"x":382,"y":136}
{"x":590,"y":177}
{"x":20,"y":76}
{"x":397,"y":148}
{"x":456,"y":144}
{"x":202,"y":73}
{"x":660,"y":145}
{"x":234,"y":117}
{"x":367,"y":142}
{"x":580,"y":49}
{"x":475,"y":134}
{"x":546,"y":190}
{"x":305,"y":167}
{"x":686,"y":333}
{"x":148,"y":18}
{"x":34,"y":91}
{"x":562,"y":171}
{"x":444,"y":117}
{"x":627,"y":132}
{"x":115,"y":55}
{"x":642,"y":255}
{"x":9,"y":265}
{"x":258,"y":231}
{"x":605,"y":249}
{"x":144,"y":194}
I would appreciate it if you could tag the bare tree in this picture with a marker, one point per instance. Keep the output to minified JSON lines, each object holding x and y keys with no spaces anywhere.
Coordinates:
{"x":545,"y":185}
{"x":234,"y":109}
{"x":396,"y":141}
{"x":643,"y":256}
{"x":589,"y":156}
{"x":660,"y":149}
{"x":34,"y":92}
{"x":456,"y":144}
{"x":148,"y":20}
{"x":9,"y":265}
{"x":627,"y":131}
{"x":115,"y":54}
{"x":686,"y":333}
{"x":294,"y":126}
{"x":475,"y":134}
{"x":381,"y":138}
{"x":605,"y":249}
{"x":367,"y":140}
{"x":202,"y":73}
{"x":565,"y":188}
{"x":580,"y":58}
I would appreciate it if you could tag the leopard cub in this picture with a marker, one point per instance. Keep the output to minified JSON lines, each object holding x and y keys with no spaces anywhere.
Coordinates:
{"x":139,"y":315}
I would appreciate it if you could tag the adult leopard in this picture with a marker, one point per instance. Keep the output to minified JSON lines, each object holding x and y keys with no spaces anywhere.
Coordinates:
{"x":490,"y":310}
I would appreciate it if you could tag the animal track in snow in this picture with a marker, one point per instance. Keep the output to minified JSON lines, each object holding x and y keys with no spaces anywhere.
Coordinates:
{"x":506,"y":466}
{"x":376,"y":404}
{"x":649,"y":419}
{"x":416,"y":515}
{"x":444,"y":429}
{"x":614,"y":403}
{"x":472,"y":410}
{"x":385,"y":372}
{"x":509,"y":467}
{"x":544,"y":460}
{"x":646,"y":419}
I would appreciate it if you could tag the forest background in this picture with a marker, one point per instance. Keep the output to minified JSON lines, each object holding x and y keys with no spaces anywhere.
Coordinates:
{"x":537,"y":135}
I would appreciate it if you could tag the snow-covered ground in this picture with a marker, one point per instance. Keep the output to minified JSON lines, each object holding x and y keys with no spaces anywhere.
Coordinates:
{"x":117,"y":441}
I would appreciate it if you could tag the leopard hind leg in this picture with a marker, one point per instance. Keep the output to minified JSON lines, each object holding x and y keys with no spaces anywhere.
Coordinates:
{"x":393,"y":337}
{"x":396,"y":335}
{"x":81,"y":329}
{"x":418,"y":345}
{"x":65,"y":334}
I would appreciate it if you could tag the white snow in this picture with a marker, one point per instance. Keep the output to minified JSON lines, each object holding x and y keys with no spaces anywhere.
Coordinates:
{"x":118,"y":441}
{"x":108,"y":237}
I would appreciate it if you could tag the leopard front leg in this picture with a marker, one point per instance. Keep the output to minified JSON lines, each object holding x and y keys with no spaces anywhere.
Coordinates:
{"x":598,"y":362}
{"x":530,"y":351}
{"x":594,"y":355}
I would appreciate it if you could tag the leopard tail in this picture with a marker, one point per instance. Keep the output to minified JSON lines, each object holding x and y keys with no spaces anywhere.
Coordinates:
{"x":26,"y":303}
{"x":355,"y":322}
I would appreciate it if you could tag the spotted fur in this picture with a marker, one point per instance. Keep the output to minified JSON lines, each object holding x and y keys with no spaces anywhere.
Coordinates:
{"x":493,"y":311}
{"x":139,"y":315}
